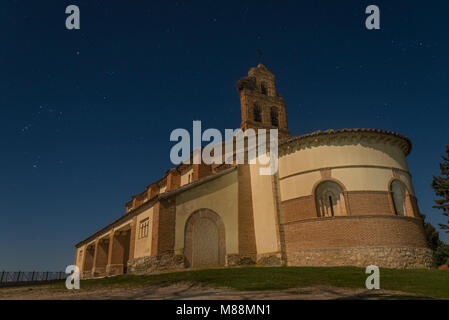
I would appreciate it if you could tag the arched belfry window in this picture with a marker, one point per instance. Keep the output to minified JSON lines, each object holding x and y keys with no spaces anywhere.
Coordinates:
{"x":263,"y":88}
{"x":398,"y":193}
{"x":330,"y":200}
{"x":257,"y":114}
{"x":274,"y":116}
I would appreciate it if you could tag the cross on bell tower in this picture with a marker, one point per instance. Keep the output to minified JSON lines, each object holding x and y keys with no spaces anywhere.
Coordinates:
{"x":261,"y":106}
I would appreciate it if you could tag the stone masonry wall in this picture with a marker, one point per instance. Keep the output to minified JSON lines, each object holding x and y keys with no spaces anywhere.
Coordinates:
{"x":161,"y":263}
{"x":385,"y":257}
{"x":166,"y":263}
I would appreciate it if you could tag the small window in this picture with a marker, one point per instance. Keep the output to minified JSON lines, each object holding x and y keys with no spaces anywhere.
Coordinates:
{"x":80,"y":254}
{"x":329,"y":200}
{"x":331,"y":205}
{"x":398,"y":195}
{"x":257,"y":115}
{"x":143,"y":228}
{"x":263,"y":88}
{"x":274,"y":117}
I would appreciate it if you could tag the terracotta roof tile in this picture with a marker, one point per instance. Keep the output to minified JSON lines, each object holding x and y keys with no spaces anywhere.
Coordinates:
{"x":347,"y":130}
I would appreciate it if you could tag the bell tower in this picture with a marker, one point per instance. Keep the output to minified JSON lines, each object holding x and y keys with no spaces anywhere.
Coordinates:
{"x":261,"y":106}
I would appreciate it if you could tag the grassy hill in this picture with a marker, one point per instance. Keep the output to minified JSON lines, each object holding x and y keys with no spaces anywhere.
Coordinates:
{"x":427,"y":283}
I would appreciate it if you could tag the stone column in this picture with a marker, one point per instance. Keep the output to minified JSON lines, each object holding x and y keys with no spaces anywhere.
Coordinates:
{"x":88,"y":261}
{"x":119,"y":252}
{"x":115,"y":264}
{"x":101,"y":258}
{"x":95,"y":257}
{"x":111,"y":236}
{"x":75,"y":263}
{"x":80,"y":264}
{"x":132,"y":239}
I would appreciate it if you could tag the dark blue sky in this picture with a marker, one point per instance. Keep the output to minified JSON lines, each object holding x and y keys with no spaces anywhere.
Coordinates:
{"x":86,"y":115}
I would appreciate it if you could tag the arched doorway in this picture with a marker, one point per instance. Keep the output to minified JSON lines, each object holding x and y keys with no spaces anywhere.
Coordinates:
{"x":204,"y":244}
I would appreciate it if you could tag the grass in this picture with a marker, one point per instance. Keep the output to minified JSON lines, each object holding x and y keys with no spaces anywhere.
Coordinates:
{"x":415,"y":284}
{"x":428,"y":283}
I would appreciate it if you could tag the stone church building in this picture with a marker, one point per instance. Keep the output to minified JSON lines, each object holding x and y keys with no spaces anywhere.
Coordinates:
{"x":339,"y":198}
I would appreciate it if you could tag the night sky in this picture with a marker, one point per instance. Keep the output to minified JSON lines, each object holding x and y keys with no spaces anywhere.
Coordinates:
{"x":86,"y":114}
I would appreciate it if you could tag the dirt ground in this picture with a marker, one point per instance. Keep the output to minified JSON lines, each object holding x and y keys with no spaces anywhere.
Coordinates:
{"x":193,"y":292}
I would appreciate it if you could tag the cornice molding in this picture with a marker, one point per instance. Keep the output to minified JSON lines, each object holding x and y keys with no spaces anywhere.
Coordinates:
{"x":349,"y":136}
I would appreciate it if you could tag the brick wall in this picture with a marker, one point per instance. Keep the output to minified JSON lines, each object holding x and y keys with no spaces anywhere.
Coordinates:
{"x":358,"y":203}
{"x":163,"y":235}
{"x":247,"y":238}
{"x":362,"y":231}
{"x":173,"y":180}
{"x":153,"y":190}
{"x":251,"y":94}
{"x":370,"y":203}
{"x":201,"y":171}
{"x":298,"y":209}
{"x":412,"y":208}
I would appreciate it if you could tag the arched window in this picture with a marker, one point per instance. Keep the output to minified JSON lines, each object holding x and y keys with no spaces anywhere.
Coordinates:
{"x":330,"y":200}
{"x":257,"y":115}
{"x":274,"y":116}
{"x":398,"y":195}
{"x":263,"y":88}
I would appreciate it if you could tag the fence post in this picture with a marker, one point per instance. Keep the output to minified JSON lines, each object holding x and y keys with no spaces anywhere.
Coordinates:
{"x":18,"y":276}
{"x":3,"y":273}
{"x":32,"y":276}
{"x":46,"y":276}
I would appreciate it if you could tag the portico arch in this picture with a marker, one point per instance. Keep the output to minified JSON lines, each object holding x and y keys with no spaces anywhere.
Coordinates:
{"x":204,"y":239}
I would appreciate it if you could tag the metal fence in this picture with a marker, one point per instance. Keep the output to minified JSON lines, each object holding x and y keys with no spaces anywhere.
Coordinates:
{"x":8,"y":278}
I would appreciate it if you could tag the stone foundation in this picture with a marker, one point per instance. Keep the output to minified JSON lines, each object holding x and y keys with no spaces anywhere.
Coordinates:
{"x":178,"y":262}
{"x":158,"y":263}
{"x":270,"y":259}
{"x":385,"y":257}
{"x":266,"y":259}
{"x":240,"y":260}
{"x":99,"y":272}
{"x":114,"y":269}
